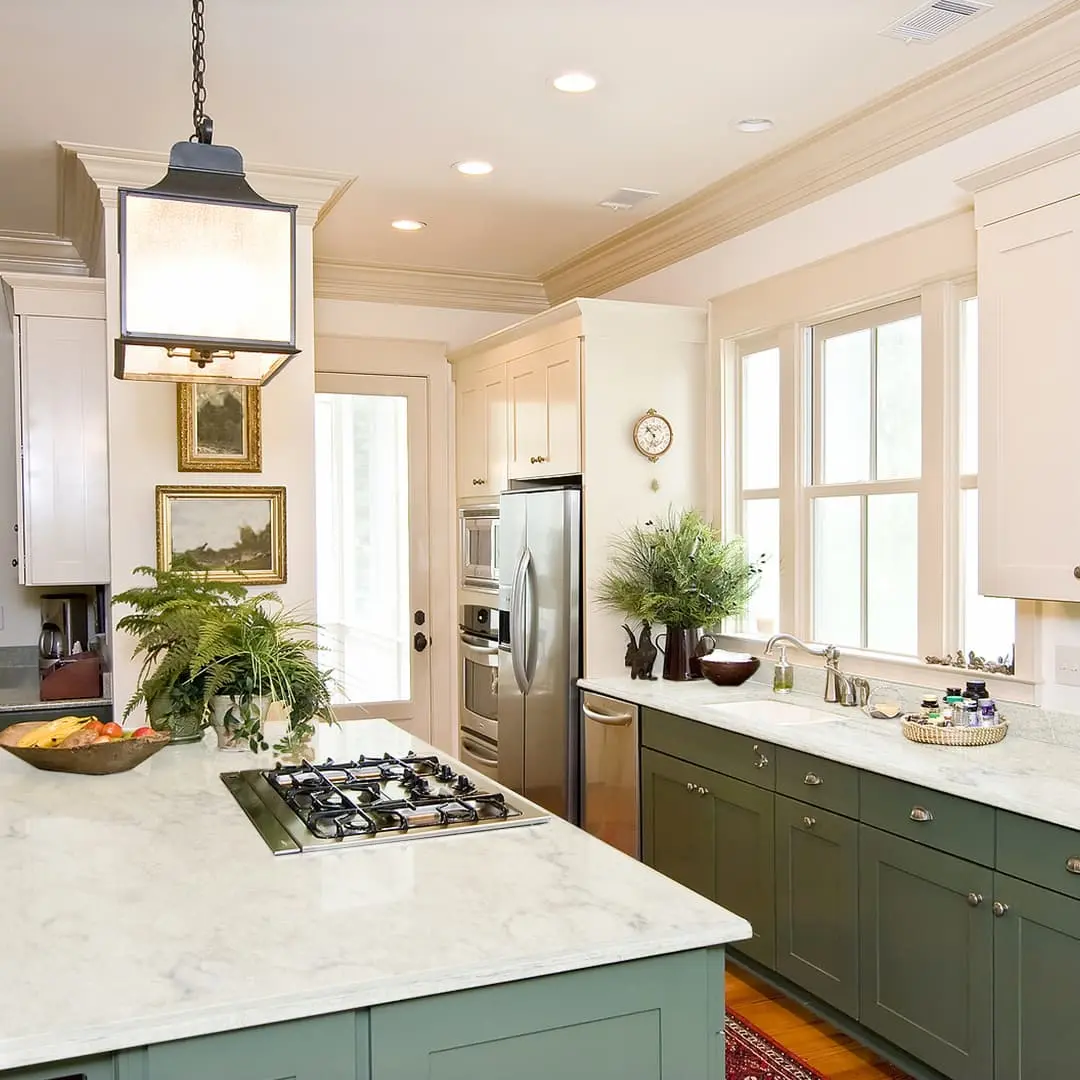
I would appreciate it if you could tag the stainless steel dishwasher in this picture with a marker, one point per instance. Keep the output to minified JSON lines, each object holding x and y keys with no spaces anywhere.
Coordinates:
{"x":610,"y":782}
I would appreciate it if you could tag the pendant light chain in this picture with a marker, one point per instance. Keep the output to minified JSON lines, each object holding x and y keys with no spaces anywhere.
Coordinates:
{"x":204,"y":126}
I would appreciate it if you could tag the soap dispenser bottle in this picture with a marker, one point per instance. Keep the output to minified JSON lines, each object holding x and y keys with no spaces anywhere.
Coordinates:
{"x":783,"y":679}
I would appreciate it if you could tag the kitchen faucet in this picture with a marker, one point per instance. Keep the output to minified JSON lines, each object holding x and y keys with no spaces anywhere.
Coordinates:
{"x":840,"y":689}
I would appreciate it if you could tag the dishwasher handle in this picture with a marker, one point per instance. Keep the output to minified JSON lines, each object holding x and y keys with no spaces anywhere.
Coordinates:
{"x":611,"y":719}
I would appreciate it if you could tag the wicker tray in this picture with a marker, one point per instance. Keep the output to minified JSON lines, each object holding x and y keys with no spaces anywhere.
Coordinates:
{"x":954,"y":736}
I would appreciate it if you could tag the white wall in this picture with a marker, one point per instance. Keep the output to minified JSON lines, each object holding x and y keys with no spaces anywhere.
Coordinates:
{"x":451,"y":326}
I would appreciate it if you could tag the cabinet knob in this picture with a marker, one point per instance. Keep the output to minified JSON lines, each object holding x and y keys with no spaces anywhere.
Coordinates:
{"x":809,"y":822}
{"x":762,"y":760}
{"x":811,"y":779}
{"x":703,"y":791}
{"x":920,"y":813}
{"x":689,"y":786}
{"x":974,"y":899}
{"x":538,"y":460}
{"x":1076,"y":572}
{"x":1072,"y":865}
{"x":1000,"y":909}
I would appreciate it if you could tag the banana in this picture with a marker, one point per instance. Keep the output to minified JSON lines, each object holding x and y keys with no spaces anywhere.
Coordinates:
{"x":54,"y":732}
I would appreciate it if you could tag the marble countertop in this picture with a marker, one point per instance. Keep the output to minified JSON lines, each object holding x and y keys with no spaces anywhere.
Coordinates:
{"x":1027,"y":777}
{"x":23,"y":699}
{"x":144,"y":907}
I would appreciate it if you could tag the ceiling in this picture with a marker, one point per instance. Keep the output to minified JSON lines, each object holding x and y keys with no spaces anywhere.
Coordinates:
{"x":395,"y":91}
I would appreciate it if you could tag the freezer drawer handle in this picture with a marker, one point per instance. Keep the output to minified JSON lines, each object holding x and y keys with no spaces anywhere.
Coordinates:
{"x":477,"y":752}
{"x":611,"y":719}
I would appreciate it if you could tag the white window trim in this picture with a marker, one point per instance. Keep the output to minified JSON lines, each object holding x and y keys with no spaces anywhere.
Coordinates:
{"x":939,"y":493}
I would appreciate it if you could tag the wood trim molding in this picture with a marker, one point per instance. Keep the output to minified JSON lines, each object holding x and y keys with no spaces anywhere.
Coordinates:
{"x":335,"y":280}
{"x":38,"y":253}
{"x":1034,"y":61}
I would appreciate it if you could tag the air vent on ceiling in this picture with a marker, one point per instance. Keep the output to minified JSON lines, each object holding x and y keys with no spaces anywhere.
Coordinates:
{"x":627,"y":198}
{"x":930,"y":21}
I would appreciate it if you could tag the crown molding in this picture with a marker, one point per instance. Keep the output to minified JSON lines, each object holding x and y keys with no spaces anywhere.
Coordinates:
{"x":91,"y":176}
{"x":335,"y":280}
{"x":1034,"y":61}
{"x":39,"y":253}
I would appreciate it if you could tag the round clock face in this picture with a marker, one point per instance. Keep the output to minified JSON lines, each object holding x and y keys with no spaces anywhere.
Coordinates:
{"x":652,"y":435}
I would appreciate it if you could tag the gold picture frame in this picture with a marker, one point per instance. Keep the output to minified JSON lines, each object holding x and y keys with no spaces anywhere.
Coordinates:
{"x":232,"y":533}
{"x":218,"y":428}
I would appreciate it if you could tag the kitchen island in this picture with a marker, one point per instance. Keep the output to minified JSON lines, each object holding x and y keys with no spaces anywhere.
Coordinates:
{"x":151,"y":935}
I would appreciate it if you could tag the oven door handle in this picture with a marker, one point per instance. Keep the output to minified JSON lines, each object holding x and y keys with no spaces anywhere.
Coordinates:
{"x":486,"y":656}
{"x":469,"y":746}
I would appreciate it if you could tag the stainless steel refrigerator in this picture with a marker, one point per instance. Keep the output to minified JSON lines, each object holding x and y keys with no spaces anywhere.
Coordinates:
{"x":540,"y":645}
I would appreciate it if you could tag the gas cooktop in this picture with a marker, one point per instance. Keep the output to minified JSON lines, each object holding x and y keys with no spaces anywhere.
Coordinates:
{"x":307,"y":807}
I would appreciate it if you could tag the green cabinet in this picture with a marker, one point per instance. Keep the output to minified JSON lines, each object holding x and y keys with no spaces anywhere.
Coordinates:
{"x":97,"y":1068}
{"x":333,"y":1047}
{"x":647,"y":1020}
{"x":713,"y":834}
{"x":1036,"y":981}
{"x":926,"y":943}
{"x":817,"y":902}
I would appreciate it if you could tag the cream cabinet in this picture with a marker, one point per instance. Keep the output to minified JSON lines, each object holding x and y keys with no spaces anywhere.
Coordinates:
{"x":543,"y":391}
{"x":481,"y":432}
{"x":61,"y":429}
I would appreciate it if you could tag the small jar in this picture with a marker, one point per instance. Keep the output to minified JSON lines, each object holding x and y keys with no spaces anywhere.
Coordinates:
{"x":950,"y":709}
{"x":987,"y":712}
{"x":966,"y":714}
{"x":976,"y":690}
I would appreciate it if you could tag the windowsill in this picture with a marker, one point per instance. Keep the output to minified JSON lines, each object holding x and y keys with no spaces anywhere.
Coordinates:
{"x":887,"y":667}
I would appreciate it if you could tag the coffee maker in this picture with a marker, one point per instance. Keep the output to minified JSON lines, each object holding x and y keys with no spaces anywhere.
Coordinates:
{"x":66,"y":665}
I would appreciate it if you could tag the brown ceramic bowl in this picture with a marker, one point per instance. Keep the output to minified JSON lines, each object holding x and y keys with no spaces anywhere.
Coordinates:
{"x":729,"y":673}
{"x":98,"y":759}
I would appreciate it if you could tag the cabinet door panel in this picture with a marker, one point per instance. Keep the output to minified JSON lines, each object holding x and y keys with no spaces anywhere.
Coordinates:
{"x":677,"y":822}
{"x":64,"y":446}
{"x":743,"y":830}
{"x":564,"y":409}
{"x":1029,"y":382}
{"x":817,"y":902}
{"x":495,"y":427}
{"x":544,"y":411}
{"x":1036,"y":982}
{"x":526,"y":414}
{"x":926,"y":954}
{"x":471,"y":437}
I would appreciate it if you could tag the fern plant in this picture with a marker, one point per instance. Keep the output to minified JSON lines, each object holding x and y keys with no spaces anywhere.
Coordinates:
{"x":679,"y":572}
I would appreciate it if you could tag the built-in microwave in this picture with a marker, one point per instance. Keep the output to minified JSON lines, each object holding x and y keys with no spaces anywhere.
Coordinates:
{"x":480,"y":547}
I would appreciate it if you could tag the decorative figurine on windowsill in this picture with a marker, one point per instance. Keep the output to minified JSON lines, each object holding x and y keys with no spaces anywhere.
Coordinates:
{"x":640,"y":654}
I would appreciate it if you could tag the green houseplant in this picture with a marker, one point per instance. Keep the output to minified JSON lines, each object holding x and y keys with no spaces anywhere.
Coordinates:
{"x":682,"y":573}
{"x":165,"y":620}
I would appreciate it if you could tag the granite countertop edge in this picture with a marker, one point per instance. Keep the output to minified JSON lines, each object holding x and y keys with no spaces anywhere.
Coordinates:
{"x":67,"y":703}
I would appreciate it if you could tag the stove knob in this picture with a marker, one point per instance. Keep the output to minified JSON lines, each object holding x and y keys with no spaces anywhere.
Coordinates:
{"x":463,"y":784}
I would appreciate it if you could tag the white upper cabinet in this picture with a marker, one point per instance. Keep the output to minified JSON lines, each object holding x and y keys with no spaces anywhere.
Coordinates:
{"x":481,"y":433}
{"x":61,"y":374}
{"x":544,"y":415}
{"x":1029,"y":380}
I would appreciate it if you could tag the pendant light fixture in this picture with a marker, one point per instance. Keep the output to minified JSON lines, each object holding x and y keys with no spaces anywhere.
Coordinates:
{"x":207,"y":265}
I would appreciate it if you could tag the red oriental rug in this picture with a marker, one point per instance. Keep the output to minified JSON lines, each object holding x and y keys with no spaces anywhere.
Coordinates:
{"x":751,"y":1055}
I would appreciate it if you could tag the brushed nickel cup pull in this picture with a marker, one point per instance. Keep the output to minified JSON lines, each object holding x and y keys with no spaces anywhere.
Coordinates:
{"x":1072,"y":865}
{"x":1000,"y":909}
{"x":812,"y":779}
{"x":809,"y":822}
{"x":703,"y":791}
{"x":689,"y":786}
{"x":920,"y":813}
{"x":974,"y":899}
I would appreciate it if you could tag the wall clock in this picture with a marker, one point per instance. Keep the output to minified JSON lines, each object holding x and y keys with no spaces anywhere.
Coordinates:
{"x":652,"y":435}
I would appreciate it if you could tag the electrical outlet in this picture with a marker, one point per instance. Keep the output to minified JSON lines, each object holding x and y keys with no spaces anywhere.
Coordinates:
{"x":1067,"y":665}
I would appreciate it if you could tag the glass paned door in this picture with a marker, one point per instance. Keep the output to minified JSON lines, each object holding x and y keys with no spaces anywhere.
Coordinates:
{"x":371,"y":499}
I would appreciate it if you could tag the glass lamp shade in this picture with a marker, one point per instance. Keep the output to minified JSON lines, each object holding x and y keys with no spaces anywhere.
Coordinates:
{"x":207,"y":275}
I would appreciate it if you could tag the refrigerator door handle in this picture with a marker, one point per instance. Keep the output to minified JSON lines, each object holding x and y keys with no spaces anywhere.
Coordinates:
{"x":518,"y":650}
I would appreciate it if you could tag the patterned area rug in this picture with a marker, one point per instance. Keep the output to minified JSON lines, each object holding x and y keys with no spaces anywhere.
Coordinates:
{"x":752,"y":1055}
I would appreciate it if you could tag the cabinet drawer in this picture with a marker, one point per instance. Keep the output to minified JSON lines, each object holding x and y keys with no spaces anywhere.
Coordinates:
{"x":928,"y":817}
{"x":98,"y":1068}
{"x":1039,"y":852}
{"x":722,"y":751}
{"x":818,"y":781}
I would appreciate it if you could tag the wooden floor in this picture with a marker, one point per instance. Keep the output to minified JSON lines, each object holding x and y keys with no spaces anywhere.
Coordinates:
{"x":834,"y":1054}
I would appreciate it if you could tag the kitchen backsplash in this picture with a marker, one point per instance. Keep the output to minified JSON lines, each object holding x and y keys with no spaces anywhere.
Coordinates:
{"x":18,"y":667}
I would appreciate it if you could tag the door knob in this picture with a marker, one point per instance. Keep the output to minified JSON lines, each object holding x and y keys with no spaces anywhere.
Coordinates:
{"x":420,"y":641}
{"x":419,"y":617}
{"x":1000,"y":909}
{"x":974,"y":899}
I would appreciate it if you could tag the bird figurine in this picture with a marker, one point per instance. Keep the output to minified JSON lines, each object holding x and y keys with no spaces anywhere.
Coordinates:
{"x":631,"y":649}
{"x":646,"y":654}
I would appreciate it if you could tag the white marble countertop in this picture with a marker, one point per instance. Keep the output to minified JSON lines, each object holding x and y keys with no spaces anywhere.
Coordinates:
{"x":27,"y":700}
{"x":144,"y":907}
{"x":1027,"y":777}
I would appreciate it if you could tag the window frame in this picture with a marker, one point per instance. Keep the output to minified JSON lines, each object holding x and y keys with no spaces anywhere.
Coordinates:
{"x":938,"y":487}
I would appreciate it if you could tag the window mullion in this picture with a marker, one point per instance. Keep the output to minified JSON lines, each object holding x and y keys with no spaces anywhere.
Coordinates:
{"x":872,"y":475}
{"x":864,"y":583}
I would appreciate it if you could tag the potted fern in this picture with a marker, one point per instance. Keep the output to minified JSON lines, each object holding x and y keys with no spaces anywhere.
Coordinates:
{"x":166,"y":620}
{"x":679,"y":572}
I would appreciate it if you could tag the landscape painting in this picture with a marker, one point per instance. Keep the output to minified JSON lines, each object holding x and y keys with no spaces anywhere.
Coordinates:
{"x":230,"y":533}
{"x":218,"y":428}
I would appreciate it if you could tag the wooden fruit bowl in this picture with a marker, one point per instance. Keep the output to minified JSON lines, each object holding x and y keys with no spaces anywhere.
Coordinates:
{"x":97,"y":759}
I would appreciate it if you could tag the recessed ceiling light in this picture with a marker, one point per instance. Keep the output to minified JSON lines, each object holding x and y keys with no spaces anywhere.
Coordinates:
{"x":754,"y":124}
{"x":574,"y":82}
{"x":408,"y":225}
{"x":474,"y":168}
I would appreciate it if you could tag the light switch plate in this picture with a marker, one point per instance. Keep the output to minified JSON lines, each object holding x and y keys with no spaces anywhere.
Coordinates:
{"x":1067,"y":665}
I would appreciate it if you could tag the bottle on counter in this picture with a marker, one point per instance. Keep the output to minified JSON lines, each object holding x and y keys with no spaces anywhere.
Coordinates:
{"x":931,"y":711}
{"x":976,"y":690}
{"x":783,"y":676}
{"x":987,"y":713}
{"x":966,"y":714}
{"x":950,"y":709}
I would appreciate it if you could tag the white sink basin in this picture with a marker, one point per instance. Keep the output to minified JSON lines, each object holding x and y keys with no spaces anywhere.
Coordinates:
{"x":775,"y":713}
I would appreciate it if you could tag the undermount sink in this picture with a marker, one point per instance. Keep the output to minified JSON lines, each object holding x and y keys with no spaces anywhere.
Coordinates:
{"x":776,"y":713}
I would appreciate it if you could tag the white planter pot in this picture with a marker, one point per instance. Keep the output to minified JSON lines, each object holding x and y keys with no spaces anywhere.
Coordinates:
{"x":227,"y":738}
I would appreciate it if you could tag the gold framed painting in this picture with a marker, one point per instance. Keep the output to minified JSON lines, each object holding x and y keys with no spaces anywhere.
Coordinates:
{"x":218,"y":428}
{"x":231,"y":533}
